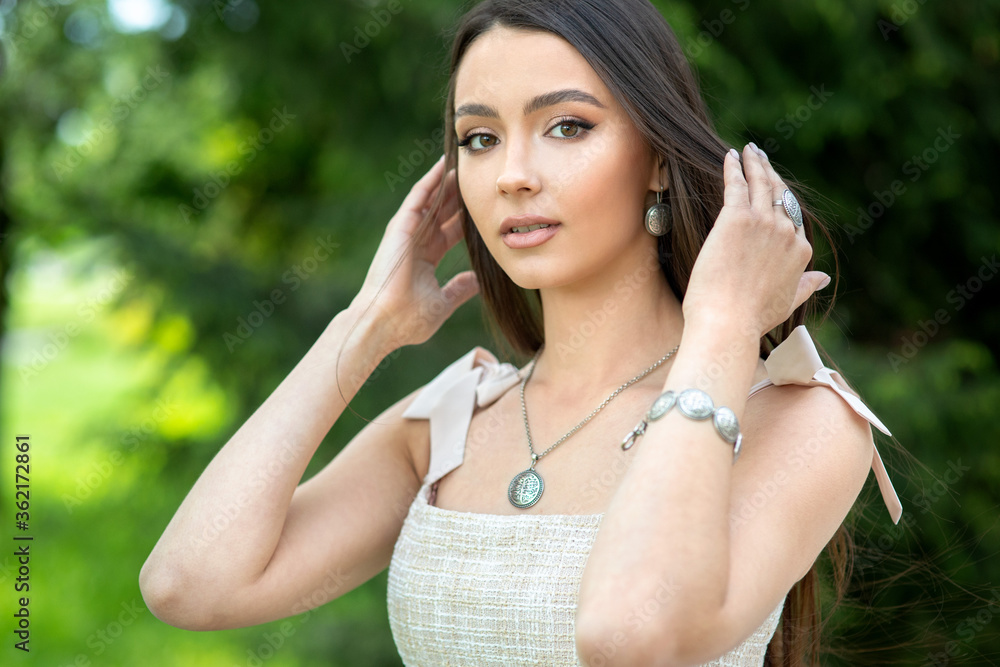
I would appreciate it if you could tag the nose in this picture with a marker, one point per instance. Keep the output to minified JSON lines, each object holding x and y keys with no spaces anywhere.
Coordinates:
{"x":517,"y":175}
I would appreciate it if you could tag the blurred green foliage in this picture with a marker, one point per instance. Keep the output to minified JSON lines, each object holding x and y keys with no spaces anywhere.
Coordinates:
{"x":161,"y":186}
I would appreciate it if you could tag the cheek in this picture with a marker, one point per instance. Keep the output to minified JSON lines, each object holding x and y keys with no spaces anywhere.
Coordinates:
{"x":601,"y":172}
{"x":477,"y":198}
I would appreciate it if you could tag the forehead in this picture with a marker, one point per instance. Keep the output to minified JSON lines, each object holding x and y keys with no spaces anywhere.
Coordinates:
{"x":515,"y":64}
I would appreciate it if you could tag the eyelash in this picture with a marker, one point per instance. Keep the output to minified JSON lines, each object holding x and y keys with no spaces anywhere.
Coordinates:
{"x":582,"y":124}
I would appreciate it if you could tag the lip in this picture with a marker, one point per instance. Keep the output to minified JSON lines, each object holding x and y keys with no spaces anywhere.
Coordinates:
{"x":513,"y":221}
{"x":530,"y":239}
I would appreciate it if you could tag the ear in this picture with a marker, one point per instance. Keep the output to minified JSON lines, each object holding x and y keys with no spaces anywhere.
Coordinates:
{"x":658,"y":174}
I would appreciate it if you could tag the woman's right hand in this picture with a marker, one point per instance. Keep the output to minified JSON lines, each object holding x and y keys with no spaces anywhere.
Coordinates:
{"x":411,"y":303}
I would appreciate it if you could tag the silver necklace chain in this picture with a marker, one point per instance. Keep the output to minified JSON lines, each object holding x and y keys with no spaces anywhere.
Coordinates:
{"x":524,"y":410}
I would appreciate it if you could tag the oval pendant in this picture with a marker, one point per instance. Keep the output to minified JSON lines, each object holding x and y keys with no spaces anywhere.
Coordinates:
{"x":525,"y":489}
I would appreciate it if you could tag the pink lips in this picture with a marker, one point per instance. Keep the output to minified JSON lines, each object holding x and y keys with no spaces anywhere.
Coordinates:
{"x":524,"y":221}
{"x":518,"y":240}
{"x":530,"y":239}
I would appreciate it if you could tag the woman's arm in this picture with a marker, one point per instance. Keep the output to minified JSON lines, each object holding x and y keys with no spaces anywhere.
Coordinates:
{"x":224,"y":534}
{"x":669,"y":580}
{"x":672,"y":579}
{"x":247,"y":545}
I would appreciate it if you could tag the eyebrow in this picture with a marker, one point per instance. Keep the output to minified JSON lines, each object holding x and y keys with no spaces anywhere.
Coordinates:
{"x":532,"y":105}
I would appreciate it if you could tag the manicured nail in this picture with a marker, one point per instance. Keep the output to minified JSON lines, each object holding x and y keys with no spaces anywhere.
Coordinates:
{"x":826,"y":281}
{"x":732,"y":151}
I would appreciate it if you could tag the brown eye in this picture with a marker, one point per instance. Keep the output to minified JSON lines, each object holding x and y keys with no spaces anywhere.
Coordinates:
{"x":470,"y":147}
{"x":572,"y":129}
{"x":576,"y":129}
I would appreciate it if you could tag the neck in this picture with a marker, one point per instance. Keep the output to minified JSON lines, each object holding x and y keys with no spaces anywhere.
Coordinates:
{"x":602,"y":332}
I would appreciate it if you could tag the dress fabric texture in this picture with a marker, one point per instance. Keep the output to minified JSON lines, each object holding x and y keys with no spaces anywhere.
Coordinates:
{"x":468,"y":588}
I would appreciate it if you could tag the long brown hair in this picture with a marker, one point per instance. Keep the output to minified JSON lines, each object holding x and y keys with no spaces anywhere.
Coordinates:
{"x":634,"y":51}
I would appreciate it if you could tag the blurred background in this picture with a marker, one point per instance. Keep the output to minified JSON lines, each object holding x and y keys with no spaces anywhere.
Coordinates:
{"x":167,"y":168}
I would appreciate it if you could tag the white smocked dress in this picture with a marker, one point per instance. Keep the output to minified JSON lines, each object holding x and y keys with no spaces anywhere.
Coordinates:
{"x":470,"y":589}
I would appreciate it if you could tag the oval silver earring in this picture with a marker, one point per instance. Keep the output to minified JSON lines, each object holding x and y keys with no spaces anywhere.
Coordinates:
{"x":658,"y":216}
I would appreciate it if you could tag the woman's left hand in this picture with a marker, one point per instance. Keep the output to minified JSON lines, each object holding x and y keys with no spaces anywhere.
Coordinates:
{"x":750,"y":272}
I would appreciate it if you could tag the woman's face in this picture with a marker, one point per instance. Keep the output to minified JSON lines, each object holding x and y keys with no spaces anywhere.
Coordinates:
{"x":574,"y":157}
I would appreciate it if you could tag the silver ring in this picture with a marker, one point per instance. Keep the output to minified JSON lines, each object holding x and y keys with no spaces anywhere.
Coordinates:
{"x":791,"y":205}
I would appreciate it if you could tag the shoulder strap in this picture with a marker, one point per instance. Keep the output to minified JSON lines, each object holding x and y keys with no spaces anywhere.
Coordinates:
{"x":796,"y":361}
{"x":449,"y":399}
{"x":477,"y":378}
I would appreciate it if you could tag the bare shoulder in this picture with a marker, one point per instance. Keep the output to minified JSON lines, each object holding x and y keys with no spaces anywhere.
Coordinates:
{"x":805,"y":457}
{"x":807,"y":448}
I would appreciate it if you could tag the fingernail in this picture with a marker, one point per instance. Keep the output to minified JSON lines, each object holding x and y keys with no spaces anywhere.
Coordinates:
{"x":826,"y":281}
{"x":758,"y":150}
{"x":732,"y":151}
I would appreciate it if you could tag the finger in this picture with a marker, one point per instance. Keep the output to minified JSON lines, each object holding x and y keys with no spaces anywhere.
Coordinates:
{"x":452,"y":230}
{"x":809,"y":283}
{"x":462,"y":287}
{"x":777,"y":183}
{"x":422,"y":190}
{"x":735,"y":193}
{"x":447,"y":207}
{"x":451,"y":191}
{"x":758,"y":182}
{"x":450,"y":233}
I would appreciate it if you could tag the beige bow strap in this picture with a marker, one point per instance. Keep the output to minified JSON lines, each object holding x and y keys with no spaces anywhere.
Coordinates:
{"x":477,"y":379}
{"x":796,"y":361}
{"x":448,"y":402}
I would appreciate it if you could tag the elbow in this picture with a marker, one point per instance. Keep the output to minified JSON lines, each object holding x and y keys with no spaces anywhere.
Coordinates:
{"x":654,"y":639}
{"x":620,"y":648}
{"x":169,"y":600}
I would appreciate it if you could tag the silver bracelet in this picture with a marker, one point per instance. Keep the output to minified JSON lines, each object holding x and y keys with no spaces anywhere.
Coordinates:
{"x":695,"y":404}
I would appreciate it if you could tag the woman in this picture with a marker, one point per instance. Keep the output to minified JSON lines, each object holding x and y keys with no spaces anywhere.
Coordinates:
{"x":580,"y":166}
